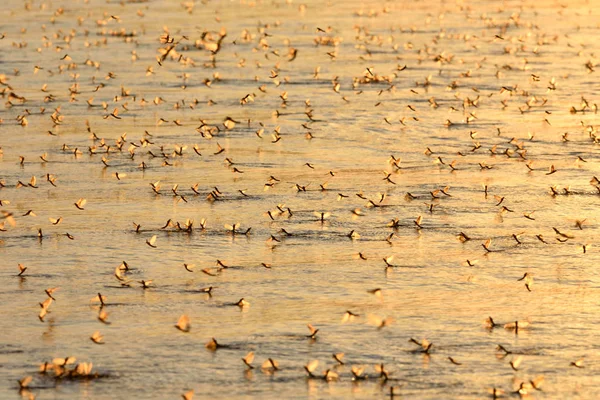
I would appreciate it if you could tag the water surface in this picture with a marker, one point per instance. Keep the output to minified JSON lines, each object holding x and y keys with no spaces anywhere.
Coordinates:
{"x":505,"y":74}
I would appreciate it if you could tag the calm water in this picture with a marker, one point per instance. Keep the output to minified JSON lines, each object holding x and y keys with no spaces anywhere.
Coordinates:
{"x":506,"y":74}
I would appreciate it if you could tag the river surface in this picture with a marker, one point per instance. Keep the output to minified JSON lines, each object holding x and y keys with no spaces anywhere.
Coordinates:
{"x":421,"y":119}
